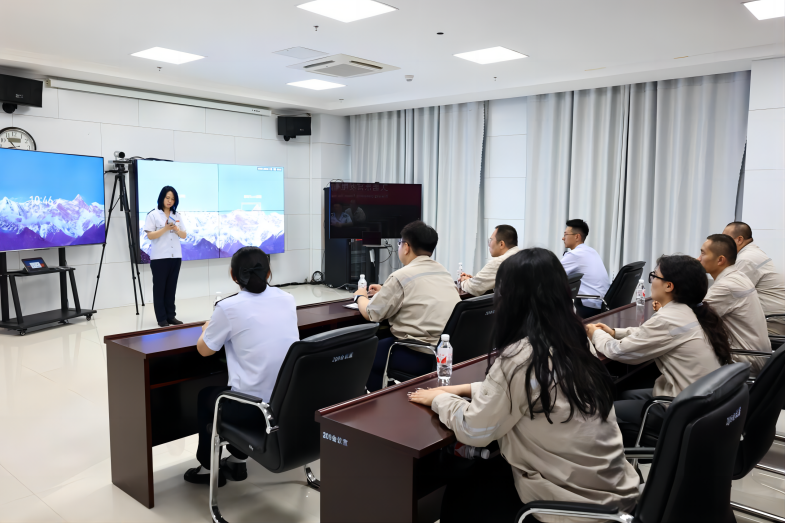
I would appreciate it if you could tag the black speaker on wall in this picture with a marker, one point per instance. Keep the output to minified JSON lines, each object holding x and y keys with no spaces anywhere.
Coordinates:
{"x":294,"y":126}
{"x":16,"y":91}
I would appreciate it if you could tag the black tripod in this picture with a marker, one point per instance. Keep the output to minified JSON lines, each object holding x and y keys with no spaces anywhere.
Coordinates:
{"x":130,"y":230}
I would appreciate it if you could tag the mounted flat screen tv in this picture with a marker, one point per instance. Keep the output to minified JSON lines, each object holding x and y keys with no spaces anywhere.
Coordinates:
{"x":50,"y":200}
{"x":224,"y":207}
{"x":383,"y":208}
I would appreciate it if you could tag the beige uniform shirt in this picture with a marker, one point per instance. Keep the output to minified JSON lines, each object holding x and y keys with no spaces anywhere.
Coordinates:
{"x":581,"y":460}
{"x":673,"y":338}
{"x":417,"y":300}
{"x":769,"y":284}
{"x":485,"y":280}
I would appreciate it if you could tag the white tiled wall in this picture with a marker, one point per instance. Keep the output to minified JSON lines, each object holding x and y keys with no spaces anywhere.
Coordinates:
{"x":764,"y":184}
{"x":505,"y":166}
{"x":97,"y":125}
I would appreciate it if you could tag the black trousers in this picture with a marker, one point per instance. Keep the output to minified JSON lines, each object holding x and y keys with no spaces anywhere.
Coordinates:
{"x":629,"y":416}
{"x":205,"y":411}
{"x":585,"y":312}
{"x":484,"y":493}
{"x":405,"y":360}
{"x":165,"y":274}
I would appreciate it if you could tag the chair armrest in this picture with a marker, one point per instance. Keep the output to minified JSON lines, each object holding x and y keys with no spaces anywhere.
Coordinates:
{"x":241,"y":397}
{"x":592,"y":297}
{"x":639,"y":453}
{"x":565,"y":508}
{"x":775,"y":316}
{"x":759,"y":354}
{"x":657,"y":400}
{"x":416,"y":344}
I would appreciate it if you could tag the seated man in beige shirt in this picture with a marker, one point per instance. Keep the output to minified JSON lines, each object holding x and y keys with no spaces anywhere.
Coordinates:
{"x":417,"y":300}
{"x":502,"y":244}
{"x":734,"y":298}
{"x":758,"y":267}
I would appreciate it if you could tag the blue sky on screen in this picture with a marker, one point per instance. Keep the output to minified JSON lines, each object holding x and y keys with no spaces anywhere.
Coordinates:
{"x":31,"y":173}
{"x":247,"y":188}
{"x":196,"y":184}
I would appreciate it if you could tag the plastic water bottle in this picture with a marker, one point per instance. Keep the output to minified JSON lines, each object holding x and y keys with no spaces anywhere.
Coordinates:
{"x":460,"y":271}
{"x":444,"y":361}
{"x":640,"y":302}
{"x":361,"y":283}
{"x":470,"y":452}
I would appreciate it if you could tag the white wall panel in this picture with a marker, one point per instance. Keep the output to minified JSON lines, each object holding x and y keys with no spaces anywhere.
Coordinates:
{"x":62,"y":136}
{"x":89,"y":107}
{"x":327,"y":128}
{"x":507,"y":117}
{"x":270,"y":128}
{"x":317,"y":195}
{"x":773,"y":243}
{"x":83,"y":255}
{"x":767,"y":84}
{"x":296,"y":196}
{"x":193,"y":282}
{"x":137,"y":141}
{"x":506,"y":156}
{"x":766,"y":139}
{"x":764,"y":192}
{"x":298,"y":231}
{"x":49,"y":105}
{"x":298,"y":160}
{"x":115,"y":288}
{"x":504,"y":198}
{"x":316,"y":261}
{"x":251,"y":151}
{"x":233,"y":124}
{"x":6,"y":120}
{"x":317,"y":232}
{"x":336,"y":161}
{"x":203,"y":148}
{"x":291,"y":266}
{"x":220,"y":283}
{"x":171,"y":116}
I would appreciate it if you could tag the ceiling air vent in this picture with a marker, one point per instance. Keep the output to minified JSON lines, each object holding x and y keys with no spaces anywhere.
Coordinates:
{"x":343,"y":66}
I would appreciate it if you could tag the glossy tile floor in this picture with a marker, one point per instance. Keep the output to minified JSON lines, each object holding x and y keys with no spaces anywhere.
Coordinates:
{"x":54,"y":434}
{"x":54,"y":437}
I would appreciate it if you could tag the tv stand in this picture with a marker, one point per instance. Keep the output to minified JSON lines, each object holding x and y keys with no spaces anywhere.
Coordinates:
{"x":62,"y":315}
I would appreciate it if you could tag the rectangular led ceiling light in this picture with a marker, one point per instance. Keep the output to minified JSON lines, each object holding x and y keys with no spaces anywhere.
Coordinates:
{"x":316,"y":85}
{"x":765,"y":9}
{"x":347,"y":10}
{"x":169,"y":56}
{"x":491,"y":55}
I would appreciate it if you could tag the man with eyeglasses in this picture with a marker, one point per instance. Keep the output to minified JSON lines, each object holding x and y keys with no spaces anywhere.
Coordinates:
{"x":417,"y":300}
{"x":502,"y":244}
{"x":585,"y":260}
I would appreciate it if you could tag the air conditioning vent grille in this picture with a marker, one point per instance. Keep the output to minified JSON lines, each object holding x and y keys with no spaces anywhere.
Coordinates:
{"x":319,"y":64}
{"x":343,"y":66}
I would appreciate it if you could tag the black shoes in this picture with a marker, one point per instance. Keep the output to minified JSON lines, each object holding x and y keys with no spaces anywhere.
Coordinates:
{"x":163,"y":324}
{"x":233,"y":471}
{"x":174,"y":321}
{"x":193,"y":476}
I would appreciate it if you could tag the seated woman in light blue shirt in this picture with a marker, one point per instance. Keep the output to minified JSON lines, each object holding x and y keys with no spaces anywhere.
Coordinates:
{"x":256,"y":326}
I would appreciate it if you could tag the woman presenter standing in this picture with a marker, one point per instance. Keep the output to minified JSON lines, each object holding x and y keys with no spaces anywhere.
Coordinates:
{"x":165,"y":228}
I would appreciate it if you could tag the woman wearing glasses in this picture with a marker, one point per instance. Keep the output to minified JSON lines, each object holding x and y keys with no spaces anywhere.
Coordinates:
{"x":686,"y":339}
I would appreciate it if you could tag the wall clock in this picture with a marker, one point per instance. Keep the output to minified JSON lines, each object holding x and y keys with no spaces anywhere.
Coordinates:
{"x":16,"y":138}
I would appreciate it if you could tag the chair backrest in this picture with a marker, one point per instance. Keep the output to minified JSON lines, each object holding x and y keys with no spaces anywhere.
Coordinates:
{"x":623,"y":285}
{"x":574,"y":282}
{"x":767,"y":399}
{"x":319,"y":371}
{"x":690,"y":475}
{"x":470,"y":328}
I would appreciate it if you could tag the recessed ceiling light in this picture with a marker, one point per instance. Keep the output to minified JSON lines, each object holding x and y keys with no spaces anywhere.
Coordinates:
{"x":347,"y":10}
{"x":491,"y":55}
{"x":317,"y":85}
{"x":169,"y":56}
{"x":765,"y":9}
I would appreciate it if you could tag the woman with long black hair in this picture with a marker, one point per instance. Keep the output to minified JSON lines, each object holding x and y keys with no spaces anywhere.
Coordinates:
{"x":686,"y":339}
{"x":547,"y":401}
{"x":165,"y":228}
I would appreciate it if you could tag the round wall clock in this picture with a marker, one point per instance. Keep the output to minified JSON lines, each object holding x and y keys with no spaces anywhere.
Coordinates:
{"x":16,"y":138}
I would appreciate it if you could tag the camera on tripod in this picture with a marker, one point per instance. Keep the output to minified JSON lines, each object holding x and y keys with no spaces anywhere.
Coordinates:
{"x":119,"y":159}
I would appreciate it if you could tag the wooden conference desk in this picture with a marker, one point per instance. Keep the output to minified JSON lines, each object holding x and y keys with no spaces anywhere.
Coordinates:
{"x":154,"y":377}
{"x":389,"y":468}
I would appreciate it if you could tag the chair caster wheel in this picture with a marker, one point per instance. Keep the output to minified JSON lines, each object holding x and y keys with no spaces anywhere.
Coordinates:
{"x":22,"y":333}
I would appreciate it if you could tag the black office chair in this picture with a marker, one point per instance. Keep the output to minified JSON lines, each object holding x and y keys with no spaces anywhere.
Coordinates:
{"x":692,"y":468}
{"x":767,"y":399}
{"x":775,"y":339}
{"x":574,"y":282}
{"x":470,"y":328}
{"x":319,"y":371}
{"x":622,"y":287}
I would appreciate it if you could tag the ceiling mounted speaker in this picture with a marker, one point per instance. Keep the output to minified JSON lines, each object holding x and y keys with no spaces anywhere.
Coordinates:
{"x":343,"y":66}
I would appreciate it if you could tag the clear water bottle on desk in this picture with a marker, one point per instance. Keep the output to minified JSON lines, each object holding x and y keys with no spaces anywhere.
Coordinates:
{"x":361,"y":283}
{"x":444,"y":361}
{"x":460,"y":271}
{"x":640,"y":303}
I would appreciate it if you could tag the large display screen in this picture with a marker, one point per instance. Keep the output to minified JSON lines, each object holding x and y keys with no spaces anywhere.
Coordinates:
{"x":224,"y":207}
{"x":50,"y":200}
{"x":375,"y":207}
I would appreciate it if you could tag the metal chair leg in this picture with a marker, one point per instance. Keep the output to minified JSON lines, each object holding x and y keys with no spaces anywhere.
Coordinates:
{"x":215,"y":468}
{"x":643,"y":425}
{"x":313,"y":482}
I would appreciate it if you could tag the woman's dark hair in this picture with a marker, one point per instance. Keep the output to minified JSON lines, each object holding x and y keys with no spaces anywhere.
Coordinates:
{"x":250,"y":266}
{"x":162,"y":195}
{"x":690,"y":286}
{"x":533,"y":300}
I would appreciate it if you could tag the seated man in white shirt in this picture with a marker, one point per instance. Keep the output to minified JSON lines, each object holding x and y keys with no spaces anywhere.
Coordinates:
{"x":758,"y":267}
{"x":339,"y":218}
{"x":502,"y":244}
{"x":582,"y":258}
